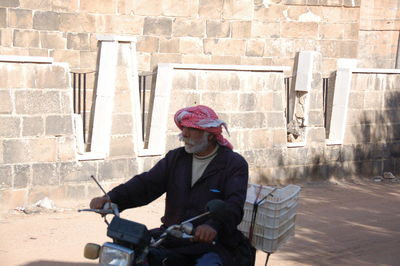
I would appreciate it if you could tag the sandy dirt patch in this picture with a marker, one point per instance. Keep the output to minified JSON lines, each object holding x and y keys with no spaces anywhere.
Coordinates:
{"x":349,"y":223}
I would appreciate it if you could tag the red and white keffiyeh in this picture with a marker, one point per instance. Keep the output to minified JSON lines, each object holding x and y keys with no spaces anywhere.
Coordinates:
{"x":204,"y":118}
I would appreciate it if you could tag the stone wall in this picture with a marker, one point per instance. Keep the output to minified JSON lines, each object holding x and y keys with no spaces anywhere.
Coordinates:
{"x":379,"y":34}
{"x":247,"y":32}
{"x":251,"y":103}
{"x":36,"y":126}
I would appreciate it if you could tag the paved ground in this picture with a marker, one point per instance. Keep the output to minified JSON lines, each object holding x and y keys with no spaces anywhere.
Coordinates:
{"x":352,"y":223}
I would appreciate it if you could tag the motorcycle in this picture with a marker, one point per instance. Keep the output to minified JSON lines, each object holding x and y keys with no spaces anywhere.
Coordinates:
{"x":132,"y":243}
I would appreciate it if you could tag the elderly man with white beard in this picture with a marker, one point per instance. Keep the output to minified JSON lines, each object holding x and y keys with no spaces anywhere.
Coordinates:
{"x":206,"y":168}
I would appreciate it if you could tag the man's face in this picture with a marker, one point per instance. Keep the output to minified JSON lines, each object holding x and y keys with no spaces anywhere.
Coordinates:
{"x":196,"y":140}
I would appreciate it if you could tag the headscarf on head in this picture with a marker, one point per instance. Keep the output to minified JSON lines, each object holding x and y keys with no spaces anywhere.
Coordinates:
{"x":204,"y":118}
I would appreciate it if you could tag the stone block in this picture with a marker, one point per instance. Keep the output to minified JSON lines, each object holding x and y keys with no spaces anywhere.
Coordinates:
{"x":46,"y":20}
{"x":242,"y":10}
{"x":66,"y":148}
{"x":44,"y":174}
{"x":10,"y":127}
{"x":258,"y":139}
{"x":66,"y":103}
{"x":279,"y":137}
{"x":331,"y":31}
{"x":211,"y":9}
{"x":64,"y":5}
{"x":184,"y":80}
{"x":169,"y":45}
{"x":13,"y":198}
{"x":76,"y":172}
{"x":114,"y":169}
{"x":22,"y":175}
{"x":350,"y":31}
{"x":52,"y":77}
{"x":29,"y":150}
{"x":220,"y":101}
{"x":42,"y":5}
{"x":121,"y":146}
{"x":19,"y":75}
{"x":174,"y":8}
{"x":77,"y":22}
{"x":241,"y":29}
{"x":185,"y":98}
{"x":356,"y":100}
{"x":157,"y":26}
{"x":255,"y":48}
{"x":38,"y":52}
{"x":147,"y":8}
{"x":271,"y":13}
{"x":264,"y":101}
{"x":299,"y":30}
{"x":315,"y":134}
{"x":58,"y":125}
{"x":224,"y":47}
{"x":316,"y":118}
{"x":347,"y":49}
{"x":164,"y":58}
{"x":276,"y":120}
{"x":296,"y":13}
{"x":188,"y":27}
{"x":248,"y":120}
{"x":331,"y":14}
{"x":296,"y":2}
{"x":88,"y":60}
{"x":127,"y":24}
{"x":20,"y":18}
{"x":25,"y":38}
{"x":261,"y":29}
{"x":257,"y":61}
{"x":351,"y":15}
{"x":5,"y":176}
{"x":191,"y":46}
{"x":148,"y":44}
{"x":99,"y":6}
{"x":225,"y":59}
{"x":9,"y":3}
{"x":6,"y":37}
{"x":122,"y":124}
{"x":391,"y":99}
{"x":70,"y":56}
{"x":43,"y":150}
{"x":196,"y":59}
{"x":247,"y":101}
{"x":218,"y":29}
{"x":52,"y":40}
{"x":78,"y":41}
{"x":373,"y":100}
{"x":6,"y":106}
{"x":54,"y":192}
{"x":75,"y":191}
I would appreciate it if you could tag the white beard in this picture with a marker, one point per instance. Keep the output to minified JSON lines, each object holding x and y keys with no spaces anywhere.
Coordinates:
{"x":198,"y":146}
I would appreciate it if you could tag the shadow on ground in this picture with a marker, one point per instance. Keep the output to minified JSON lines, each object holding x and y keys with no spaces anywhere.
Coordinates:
{"x":346,"y":224}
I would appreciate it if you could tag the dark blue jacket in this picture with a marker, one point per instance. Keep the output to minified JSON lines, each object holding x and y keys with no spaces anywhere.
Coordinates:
{"x":225,"y":178}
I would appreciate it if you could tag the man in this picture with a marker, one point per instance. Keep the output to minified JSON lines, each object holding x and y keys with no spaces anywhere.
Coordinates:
{"x":205,"y":169}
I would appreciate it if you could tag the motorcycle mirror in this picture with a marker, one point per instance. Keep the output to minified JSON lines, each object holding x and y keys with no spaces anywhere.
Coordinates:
{"x":91,"y":251}
{"x":216,"y":208}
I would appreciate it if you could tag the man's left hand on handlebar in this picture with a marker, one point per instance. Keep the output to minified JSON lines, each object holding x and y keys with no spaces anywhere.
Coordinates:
{"x":204,"y":233}
{"x":98,"y":203}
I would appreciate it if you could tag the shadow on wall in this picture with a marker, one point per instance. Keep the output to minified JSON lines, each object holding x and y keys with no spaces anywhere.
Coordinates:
{"x":371,"y":147}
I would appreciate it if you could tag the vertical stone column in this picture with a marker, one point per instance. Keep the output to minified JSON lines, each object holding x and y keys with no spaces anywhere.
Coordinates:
{"x":307,"y":125}
{"x":117,"y":124}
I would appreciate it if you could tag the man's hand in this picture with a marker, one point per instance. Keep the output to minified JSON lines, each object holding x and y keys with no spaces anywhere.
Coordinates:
{"x":204,"y":233}
{"x":98,"y":203}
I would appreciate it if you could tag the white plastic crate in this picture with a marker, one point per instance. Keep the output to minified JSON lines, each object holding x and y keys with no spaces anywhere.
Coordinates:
{"x":276,"y":215}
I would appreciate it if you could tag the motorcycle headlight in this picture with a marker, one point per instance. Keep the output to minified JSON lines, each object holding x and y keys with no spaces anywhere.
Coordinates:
{"x":112,"y":254}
